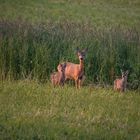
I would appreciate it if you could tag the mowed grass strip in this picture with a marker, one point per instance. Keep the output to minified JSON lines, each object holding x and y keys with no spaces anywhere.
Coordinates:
{"x":29,"y":110}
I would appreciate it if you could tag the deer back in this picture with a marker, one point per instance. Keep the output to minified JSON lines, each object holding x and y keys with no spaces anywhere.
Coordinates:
{"x":72,"y":71}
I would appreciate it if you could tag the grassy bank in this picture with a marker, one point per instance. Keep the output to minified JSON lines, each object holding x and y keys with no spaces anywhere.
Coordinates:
{"x":29,"y":110}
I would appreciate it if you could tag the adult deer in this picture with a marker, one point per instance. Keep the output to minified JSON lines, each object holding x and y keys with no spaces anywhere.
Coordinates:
{"x":120,"y":83}
{"x":58,"y":78}
{"x":75,"y":71}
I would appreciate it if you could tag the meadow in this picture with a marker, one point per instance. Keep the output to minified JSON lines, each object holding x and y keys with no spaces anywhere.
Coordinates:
{"x":35,"y":36}
{"x":101,"y":13}
{"x":30,"y":110}
{"x":34,"y":43}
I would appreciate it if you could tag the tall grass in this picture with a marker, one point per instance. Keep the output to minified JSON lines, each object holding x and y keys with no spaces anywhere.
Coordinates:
{"x":34,"y":50}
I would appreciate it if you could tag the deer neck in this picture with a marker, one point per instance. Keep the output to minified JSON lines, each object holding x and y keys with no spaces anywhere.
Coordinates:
{"x":124,"y":81}
{"x":81,"y":64}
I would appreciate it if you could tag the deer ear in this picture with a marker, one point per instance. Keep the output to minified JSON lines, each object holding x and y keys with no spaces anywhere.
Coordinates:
{"x":85,"y":50}
{"x":127,"y":72}
{"x":121,"y":71}
{"x":77,"y":50}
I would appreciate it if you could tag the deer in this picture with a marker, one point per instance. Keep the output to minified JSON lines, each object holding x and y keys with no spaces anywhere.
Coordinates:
{"x":58,"y":78}
{"x":120,"y":83}
{"x":76,"y":71}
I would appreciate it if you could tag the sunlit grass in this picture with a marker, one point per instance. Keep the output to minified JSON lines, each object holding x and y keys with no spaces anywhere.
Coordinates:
{"x":30,"y":110}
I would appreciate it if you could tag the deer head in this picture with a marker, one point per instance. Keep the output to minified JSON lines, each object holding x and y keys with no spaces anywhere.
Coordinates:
{"x":124,"y":73}
{"x":81,"y":53}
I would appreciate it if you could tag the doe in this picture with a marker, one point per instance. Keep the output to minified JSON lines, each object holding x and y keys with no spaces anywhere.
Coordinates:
{"x":75,"y":71}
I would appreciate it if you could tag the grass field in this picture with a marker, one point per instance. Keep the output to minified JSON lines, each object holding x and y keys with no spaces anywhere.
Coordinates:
{"x":35,"y":36}
{"x":100,"y":13}
{"x":29,"y":110}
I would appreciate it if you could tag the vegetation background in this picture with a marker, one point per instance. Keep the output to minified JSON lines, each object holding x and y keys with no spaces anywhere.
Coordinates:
{"x":35,"y":36}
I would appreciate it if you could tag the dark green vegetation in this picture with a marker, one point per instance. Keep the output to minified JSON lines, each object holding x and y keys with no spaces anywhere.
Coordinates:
{"x":32,"y":111}
{"x":33,"y":51}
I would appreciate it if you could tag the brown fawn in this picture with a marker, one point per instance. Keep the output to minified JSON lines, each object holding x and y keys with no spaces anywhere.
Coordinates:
{"x":120,"y":83}
{"x":58,"y":78}
{"x":75,"y":71}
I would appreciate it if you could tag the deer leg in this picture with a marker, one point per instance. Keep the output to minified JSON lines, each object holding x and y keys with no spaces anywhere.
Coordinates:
{"x":115,"y":88}
{"x":122,"y":90}
{"x":76,"y":83}
{"x":79,"y":83}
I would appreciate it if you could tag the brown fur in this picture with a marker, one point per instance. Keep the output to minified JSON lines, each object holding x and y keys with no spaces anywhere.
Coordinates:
{"x":75,"y":71}
{"x":120,"y":83}
{"x":58,"y":78}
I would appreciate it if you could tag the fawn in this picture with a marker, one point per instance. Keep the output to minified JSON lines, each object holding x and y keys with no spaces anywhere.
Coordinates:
{"x":75,"y":71}
{"x":58,"y":78}
{"x":120,"y":83}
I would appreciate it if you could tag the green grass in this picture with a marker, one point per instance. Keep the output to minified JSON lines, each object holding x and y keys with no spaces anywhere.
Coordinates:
{"x":34,"y":51}
{"x":29,"y":110}
{"x":98,"y":12}
{"x":35,"y":36}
